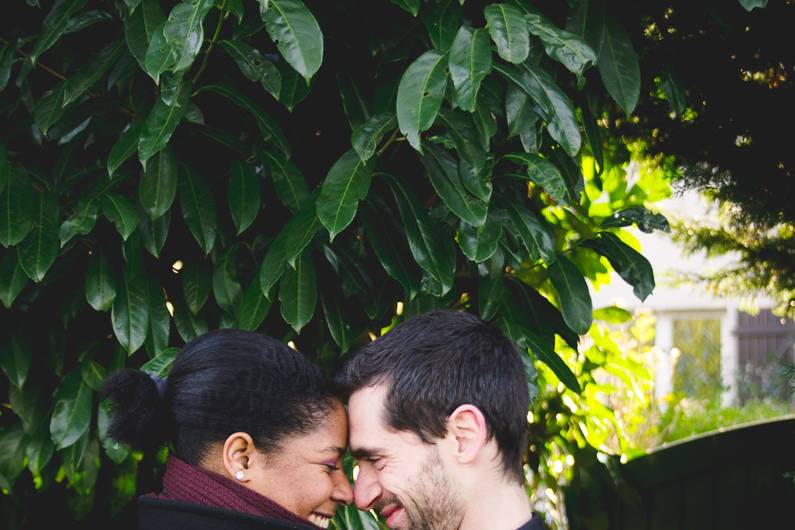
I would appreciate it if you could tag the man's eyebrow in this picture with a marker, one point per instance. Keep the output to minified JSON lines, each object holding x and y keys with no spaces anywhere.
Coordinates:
{"x":365,"y":452}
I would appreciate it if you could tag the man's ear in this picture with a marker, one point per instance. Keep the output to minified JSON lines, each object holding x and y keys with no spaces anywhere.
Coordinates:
{"x":468,"y":427}
{"x":237,"y":453}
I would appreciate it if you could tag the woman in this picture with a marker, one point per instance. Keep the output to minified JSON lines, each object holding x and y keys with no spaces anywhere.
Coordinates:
{"x":256,"y":431}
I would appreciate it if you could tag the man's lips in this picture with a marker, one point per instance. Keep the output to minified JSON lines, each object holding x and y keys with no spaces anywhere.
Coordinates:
{"x":388,"y":511}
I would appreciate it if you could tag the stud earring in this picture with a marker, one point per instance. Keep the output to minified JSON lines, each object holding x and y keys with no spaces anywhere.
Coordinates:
{"x":240,"y":474}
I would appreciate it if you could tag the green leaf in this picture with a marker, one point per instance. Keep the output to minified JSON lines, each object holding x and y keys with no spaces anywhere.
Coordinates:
{"x":121,"y":212}
{"x":536,"y":236}
{"x":297,"y":35}
{"x":49,"y":109}
{"x":196,"y":279}
{"x":627,"y":262}
{"x":93,"y":374}
{"x":100,"y":283}
{"x":6,"y":60}
{"x":38,"y":250}
{"x":254,"y":307}
{"x":84,"y":78}
{"x":420,"y":95}
{"x":469,"y":63}
{"x":86,"y":19}
{"x":161,"y":123}
{"x":354,"y":107}
{"x":254,"y":65}
{"x":575,"y":300}
{"x":386,"y":245}
{"x":12,"y":454}
{"x":559,"y":367}
{"x":508,"y":29}
{"x":612,"y":314}
{"x":81,"y":222}
{"x":162,"y":363}
{"x":159,"y":328}
{"x":130,"y":312}
{"x":157,"y":187}
{"x":39,"y":450}
{"x":189,"y":326}
{"x":750,"y":5}
{"x":226,"y":285}
{"x":545,"y":174}
{"x":290,"y":184}
{"x":618,"y":65}
{"x":5,"y":167}
{"x":443,"y":173}
{"x":71,"y":416}
{"x":301,"y":231}
{"x":298,"y":293}
{"x":432,"y":252}
{"x":556,"y":106}
{"x":274,"y":263}
{"x":198,"y":208}
{"x":411,"y":6}
{"x":140,"y":26}
{"x":12,"y":278}
{"x":271,"y":132}
{"x":566,"y":48}
{"x":15,"y":359}
{"x":337,"y":323}
{"x":154,"y":233}
{"x":594,"y":138}
{"x":54,"y":25}
{"x":479,"y":243}
{"x":366,"y":137}
{"x":184,"y":31}
{"x":346,"y":183}
{"x":160,"y":55}
{"x":116,"y":451}
{"x":124,"y":147}
{"x":673,"y":89}
{"x":442,"y":20}
{"x":294,"y":87}
{"x":17,"y":204}
{"x":518,"y":111}
{"x":170,"y":87}
{"x":462,"y":130}
{"x":646,"y":220}
{"x":491,"y":289}
{"x":244,"y":197}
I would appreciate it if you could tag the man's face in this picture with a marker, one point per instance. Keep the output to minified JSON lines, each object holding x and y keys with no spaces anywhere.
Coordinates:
{"x":400,"y":476}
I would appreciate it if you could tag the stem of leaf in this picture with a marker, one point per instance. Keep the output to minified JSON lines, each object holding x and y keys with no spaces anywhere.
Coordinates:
{"x":214,"y":39}
{"x":389,"y":142}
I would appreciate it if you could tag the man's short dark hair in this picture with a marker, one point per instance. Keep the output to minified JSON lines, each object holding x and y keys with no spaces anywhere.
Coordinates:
{"x":435,"y":362}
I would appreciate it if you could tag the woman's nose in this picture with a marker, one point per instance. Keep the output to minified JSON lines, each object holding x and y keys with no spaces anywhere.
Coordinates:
{"x":343,"y":492}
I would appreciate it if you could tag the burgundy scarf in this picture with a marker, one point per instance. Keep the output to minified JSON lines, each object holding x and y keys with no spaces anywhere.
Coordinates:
{"x":188,"y":483}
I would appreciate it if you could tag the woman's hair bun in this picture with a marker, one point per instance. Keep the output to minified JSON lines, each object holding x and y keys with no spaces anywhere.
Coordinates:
{"x":139,"y":414}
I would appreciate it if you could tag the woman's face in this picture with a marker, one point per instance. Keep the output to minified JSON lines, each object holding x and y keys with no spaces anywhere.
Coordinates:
{"x":305,"y":475}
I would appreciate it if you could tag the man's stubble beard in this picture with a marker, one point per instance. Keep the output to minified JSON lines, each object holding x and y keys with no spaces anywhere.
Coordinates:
{"x":431,"y":502}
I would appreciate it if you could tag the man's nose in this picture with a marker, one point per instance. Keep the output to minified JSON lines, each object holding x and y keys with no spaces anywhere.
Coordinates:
{"x":366,"y":490}
{"x":342,"y":492}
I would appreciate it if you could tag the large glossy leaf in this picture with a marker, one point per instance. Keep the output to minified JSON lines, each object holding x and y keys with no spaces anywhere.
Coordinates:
{"x":116,"y":451}
{"x":420,"y":95}
{"x":39,"y":450}
{"x":139,"y":28}
{"x":198,"y":207}
{"x":535,"y":235}
{"x":545,"y":174}
{"x":189,"y":326}
{"x":432,"y":252}
{"x":6,"y":60}
{"x":71,"y":417}
{"x":254,"y":307}
{"x":159,"y":329}
{"x":130,"y":311}
{"x":12,"y":278}
{"x":558,"y":111}
{"x":49,"y":109}
{"x":575,"y":300}
{"x":297,"y":35}
{"x":366,"y":137}
{"x":154,"y":232}
{"x":17,"y":204}
{"x":54,"y":25}
{"x":411,"y":6}
{"x":196,"y":278}
{"x":124,"y":148}
{"x":184,"y":30}
{"x":160,"y":55}
{"x":508,"y":29}
{"x":81,"y":222}
{"x":294,"y":87}
{"x":244,"y":196}
{"x":12,"y":454}
{"x":274,"y":263}
{"x":491,"y":289}
{"x":290,"y":184}
{"x":518,"y":111}
{"x":387,"y":247}
{"x":627,"y":262}
{"x":750,"y":5}
{"x":254,"y":65}
{"x":618,"y":65}
{"x":565,"y":47}
{"x":469,"y":63}
{"x":157,"y":187}
{"x":100,"y":283}
{"x":81,"y":80}
{"x":338,"y":325}
{"x":271,"y":132}
{"x":442,"y":20}
{"x":479,"y":243}
{"x":161,"y":364}
{"x":301,"y":231}
{"x":464,"y":134}
{"x":161,"y":123}
{"x":559,"y":367}
{"x":226,"y":285}
{"x":346,"y":183}
{"x":298,"y":292}
{"x":442,"y":171}
{"x":645,"y":220}
{"x":38,"y":250}
{"x":121,"y":212}
{"x":15,"y":359}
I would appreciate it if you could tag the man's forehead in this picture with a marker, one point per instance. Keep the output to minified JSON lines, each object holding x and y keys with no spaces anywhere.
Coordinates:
{"x":369,"y":432}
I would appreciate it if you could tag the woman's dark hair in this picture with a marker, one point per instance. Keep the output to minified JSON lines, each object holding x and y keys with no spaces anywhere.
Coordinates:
{"x":222,"y":382}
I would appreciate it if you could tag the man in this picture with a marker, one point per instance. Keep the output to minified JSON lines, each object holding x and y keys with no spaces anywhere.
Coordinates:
{"x":437,"y":416}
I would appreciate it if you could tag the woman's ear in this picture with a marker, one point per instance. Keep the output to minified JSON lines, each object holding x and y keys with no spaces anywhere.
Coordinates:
{"x":468,"y":427}
{"x":237,"y":454}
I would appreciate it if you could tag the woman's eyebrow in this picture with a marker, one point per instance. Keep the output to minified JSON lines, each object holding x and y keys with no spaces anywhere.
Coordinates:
{"x":334,"y":449}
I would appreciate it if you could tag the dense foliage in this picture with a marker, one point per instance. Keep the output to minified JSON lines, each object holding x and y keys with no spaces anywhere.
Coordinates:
{"x":314,"y":171}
